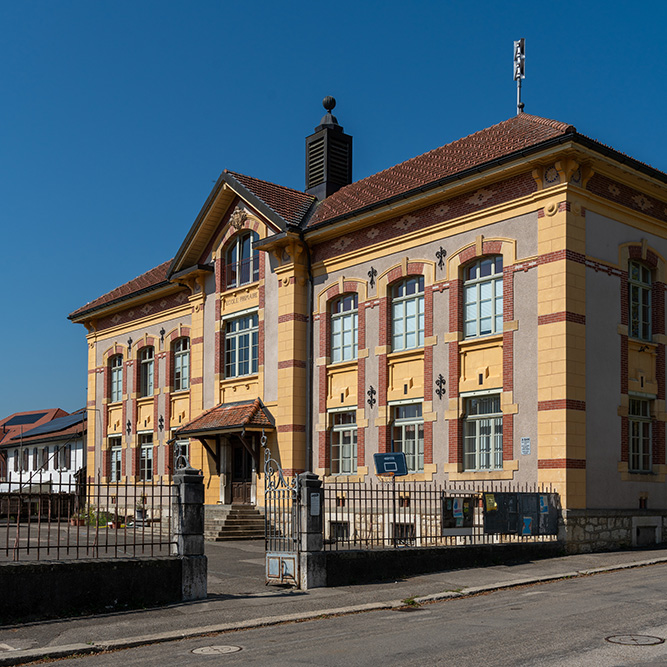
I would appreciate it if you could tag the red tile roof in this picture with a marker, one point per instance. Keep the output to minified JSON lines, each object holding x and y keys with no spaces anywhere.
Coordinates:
{"x":144,"y":282}
{"x":290,"y":205}
{"x":230,"y":416}
{"x":517,"y":133}
{"x":9,"y":431}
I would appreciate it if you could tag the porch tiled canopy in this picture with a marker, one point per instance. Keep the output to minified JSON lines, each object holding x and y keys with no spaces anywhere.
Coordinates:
{"x":229,"y":418}
{"x":243,"y":420}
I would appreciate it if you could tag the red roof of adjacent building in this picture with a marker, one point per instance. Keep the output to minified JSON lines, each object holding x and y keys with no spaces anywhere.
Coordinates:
{"x":230,"y":416}
{"x":517,"y":133}
{"x":291,"y":205}
{"x":144,"y":282}
{"x":22,"y":422}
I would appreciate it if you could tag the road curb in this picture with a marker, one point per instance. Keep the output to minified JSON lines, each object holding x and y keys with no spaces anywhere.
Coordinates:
{"x":65,"y":651}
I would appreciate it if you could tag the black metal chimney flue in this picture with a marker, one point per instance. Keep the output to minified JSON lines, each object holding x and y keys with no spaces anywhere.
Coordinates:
{"x":328,"y":155}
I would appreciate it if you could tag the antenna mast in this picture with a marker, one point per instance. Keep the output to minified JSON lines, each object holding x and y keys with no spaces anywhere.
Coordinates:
{"x":519,"y":70}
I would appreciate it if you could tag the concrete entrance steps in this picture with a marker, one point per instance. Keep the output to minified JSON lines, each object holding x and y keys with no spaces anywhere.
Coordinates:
{"x":233,"y":522}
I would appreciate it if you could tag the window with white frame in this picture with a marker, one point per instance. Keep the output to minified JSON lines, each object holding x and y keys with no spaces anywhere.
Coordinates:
{"x":408,"y":434}
{"x":116,"y":453}
{"x":116,"y":380}
{"x":146,"y":371}
{"x":344,"y":443}
{"x":344,"y":328}
{"x":483,"y":433}
{"x":639,"y":417}
{"x":639,"y":298}
{"x":242,"y":261}
{"x":181,"y":364}
{"x":483,"y":297}
{"x":407,"y":314}
{"x":24,"y":460}
{"x":146,"y":457}
{"x":241,"y":346}
{"x":16,"y":460}
{"x":44,"y":458}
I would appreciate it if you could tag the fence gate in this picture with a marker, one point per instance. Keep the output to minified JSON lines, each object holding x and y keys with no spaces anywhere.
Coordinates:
{"x":281,"y":524}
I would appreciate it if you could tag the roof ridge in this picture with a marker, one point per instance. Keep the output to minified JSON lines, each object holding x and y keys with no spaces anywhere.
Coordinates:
{"x":549,"y":122}
{"x":555,"y":124}
{"x":276,"y":185}
{"x":421,"y":171}
{"x":251,"y":415}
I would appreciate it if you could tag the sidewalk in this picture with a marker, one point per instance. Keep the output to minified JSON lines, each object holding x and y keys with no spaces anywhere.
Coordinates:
{"x":238,"y":598}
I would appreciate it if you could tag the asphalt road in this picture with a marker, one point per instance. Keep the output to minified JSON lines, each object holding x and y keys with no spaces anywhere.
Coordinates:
{"x":560,"y":623}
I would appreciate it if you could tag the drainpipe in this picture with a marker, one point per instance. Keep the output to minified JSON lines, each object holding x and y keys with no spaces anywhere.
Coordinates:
{"x":309,"y":362}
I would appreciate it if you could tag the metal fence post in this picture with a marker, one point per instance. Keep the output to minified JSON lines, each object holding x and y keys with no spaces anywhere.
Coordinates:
{"x":312,"y":565}
{"x":188,"y":531}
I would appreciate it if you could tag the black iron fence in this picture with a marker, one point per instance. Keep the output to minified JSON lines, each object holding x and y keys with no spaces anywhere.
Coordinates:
{"x":385,"y":514}
{"x":48,"y":519}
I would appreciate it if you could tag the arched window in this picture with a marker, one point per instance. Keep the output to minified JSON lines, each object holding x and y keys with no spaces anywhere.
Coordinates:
{"x":147,"y":371}
{"x":407,"y":314}
{"x":116,"y":379}
{"x":181,"y":364}
{"x":344,"y":328}
{"x":242,"y":261}
{"x":639,"y":300}
{"x":483,"y":297}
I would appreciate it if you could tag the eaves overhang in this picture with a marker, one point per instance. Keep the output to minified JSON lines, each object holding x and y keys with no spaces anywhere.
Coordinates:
{"x":110,"y":306}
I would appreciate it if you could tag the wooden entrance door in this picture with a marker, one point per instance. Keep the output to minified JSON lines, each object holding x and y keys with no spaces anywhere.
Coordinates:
{"x":241,"y":474}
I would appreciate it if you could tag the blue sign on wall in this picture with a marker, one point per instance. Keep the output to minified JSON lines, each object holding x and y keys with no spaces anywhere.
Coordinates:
{"x":391,"y":463}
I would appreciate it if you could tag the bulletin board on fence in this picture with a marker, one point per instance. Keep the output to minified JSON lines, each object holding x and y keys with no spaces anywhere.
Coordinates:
{"x":522,"y":514}
{"x":457,"y":515}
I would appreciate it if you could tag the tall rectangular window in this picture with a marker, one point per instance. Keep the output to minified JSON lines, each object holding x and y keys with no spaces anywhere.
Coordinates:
{"x":344,"y":328}
{"x":116,"y":368}
{"x":639,"y":297}
{"x":483,"y":297}
{"x":241,"y":346}
{"x":116,"y":461}
{"x":146,"y":457}
{"x":483,"y":433}
{"x":407,"y":314}
{"x":182,"y":364}
{"x":640,"y":435}
{"x":408,"y":435}
{"x":344,"y":443}
{"x":147,"y":371}
{"x":65,"y":457}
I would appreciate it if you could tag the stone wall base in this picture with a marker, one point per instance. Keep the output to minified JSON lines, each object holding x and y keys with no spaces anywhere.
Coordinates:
{"x":583,"y":531}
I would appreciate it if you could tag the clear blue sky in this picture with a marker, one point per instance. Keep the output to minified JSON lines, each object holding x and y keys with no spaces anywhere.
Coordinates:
{"x":117,"y":117}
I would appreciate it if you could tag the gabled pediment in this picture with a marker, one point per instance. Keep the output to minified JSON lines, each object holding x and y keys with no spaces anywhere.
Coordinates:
{"x":234,"y":200}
